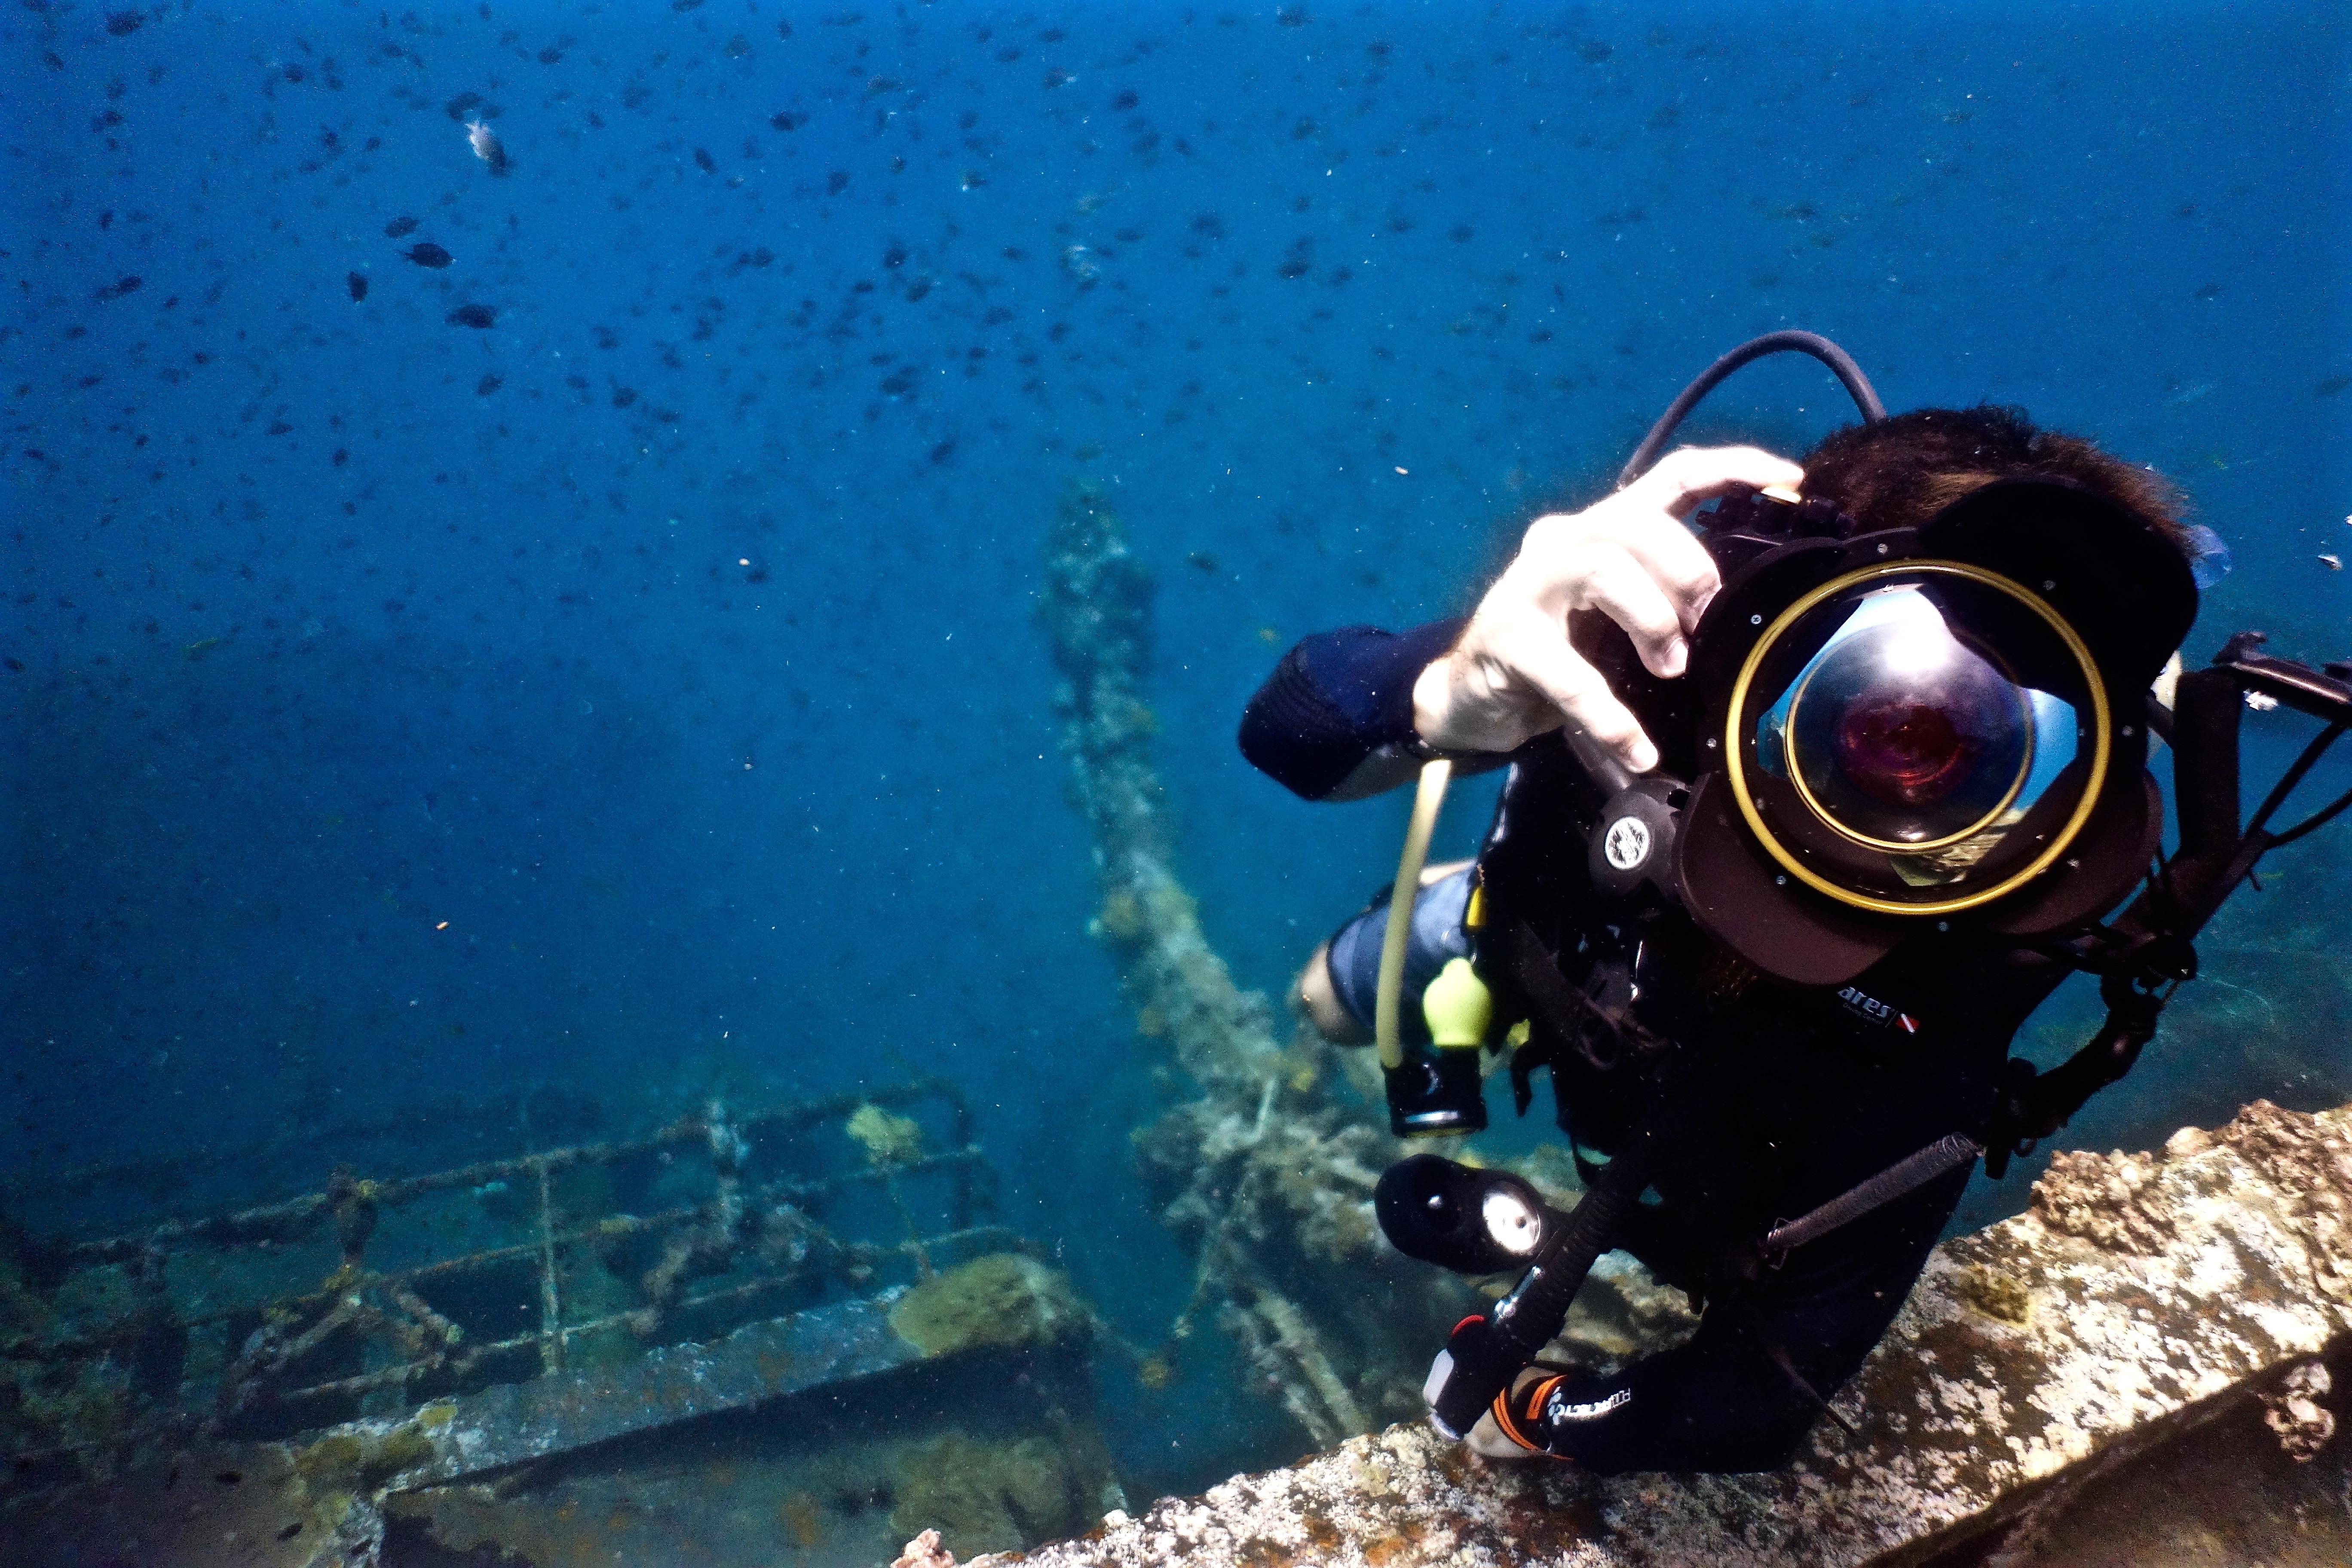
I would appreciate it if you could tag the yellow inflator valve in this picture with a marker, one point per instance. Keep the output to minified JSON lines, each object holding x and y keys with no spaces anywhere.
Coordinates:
{"x":1459,"y":1006}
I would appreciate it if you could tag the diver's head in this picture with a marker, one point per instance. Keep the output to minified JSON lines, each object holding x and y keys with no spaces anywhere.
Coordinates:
{"x":1901,"y":471}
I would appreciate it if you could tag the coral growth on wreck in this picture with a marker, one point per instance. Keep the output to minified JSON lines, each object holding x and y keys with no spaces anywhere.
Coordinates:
{"x":1002,"y":1299}
{"x":984,"y":1496}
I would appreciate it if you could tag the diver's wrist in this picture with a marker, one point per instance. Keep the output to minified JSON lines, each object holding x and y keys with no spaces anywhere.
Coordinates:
{"x":1433,"y":705}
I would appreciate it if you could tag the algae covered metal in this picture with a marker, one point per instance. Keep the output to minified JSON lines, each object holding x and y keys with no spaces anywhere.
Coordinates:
{"x":458,"y":1358}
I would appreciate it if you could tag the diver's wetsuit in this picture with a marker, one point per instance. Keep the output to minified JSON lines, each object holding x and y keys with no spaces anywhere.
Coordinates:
{"x":1794,"y":1096}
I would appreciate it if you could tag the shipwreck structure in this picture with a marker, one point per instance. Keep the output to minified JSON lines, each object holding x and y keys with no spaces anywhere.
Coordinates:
{"x":485,"y":1356}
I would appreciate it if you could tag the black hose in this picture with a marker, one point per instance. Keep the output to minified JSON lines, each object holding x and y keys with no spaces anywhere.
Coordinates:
{"x":1857,"y":386}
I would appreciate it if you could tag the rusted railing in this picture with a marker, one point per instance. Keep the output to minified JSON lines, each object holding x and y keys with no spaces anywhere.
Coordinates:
{"x":212,"y":1325}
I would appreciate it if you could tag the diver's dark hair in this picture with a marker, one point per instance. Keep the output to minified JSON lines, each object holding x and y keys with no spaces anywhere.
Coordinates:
{"x":1902,"y":470}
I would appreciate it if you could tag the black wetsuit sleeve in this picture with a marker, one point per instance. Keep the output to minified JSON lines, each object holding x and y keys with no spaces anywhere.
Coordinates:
{"x":1735,"y":1397}
{"x":1335,"y":700}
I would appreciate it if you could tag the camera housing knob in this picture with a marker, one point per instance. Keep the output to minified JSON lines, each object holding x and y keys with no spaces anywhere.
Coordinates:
{"x":1631,"y":847}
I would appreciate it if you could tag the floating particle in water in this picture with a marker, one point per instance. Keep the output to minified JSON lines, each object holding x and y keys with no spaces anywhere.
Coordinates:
{"x":424,"y":253}
{"x":399,"y":227}
{"x":357,"y":283}
{"x":479,"y":316}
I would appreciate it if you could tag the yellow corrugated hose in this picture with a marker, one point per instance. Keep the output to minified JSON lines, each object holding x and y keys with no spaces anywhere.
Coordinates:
{"x":1426,"y":799}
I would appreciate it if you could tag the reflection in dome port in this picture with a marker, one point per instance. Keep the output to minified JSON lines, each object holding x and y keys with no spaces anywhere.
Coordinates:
{"x":1913,"y":736}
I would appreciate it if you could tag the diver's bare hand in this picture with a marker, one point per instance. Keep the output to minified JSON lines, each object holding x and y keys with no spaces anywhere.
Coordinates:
{"x":1513,"y":676}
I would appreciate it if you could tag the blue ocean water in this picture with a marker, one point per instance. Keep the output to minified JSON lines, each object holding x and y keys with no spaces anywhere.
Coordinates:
{"x":608,"y":659}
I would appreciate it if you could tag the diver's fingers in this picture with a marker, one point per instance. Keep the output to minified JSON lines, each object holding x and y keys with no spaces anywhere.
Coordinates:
{"x":1602,"y":574}
{"x":1674,"y":561}
{"x":1539,"y":654}
{"x":1558,"y":549}
{"x":1688,"y":476}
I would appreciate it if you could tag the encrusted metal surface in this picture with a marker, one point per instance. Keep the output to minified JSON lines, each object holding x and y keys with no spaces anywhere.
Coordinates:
{"x":2142,"y":1296}
{"x":512,"y":1424}
{"x":377,"y":1296}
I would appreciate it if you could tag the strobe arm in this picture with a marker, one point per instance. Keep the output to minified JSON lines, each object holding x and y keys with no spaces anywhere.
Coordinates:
{"x":2034,"y":1104}
{"x":2325,"y":693}
{"x":2152,"y":950}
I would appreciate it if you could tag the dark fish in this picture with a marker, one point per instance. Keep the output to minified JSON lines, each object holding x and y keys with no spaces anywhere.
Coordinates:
{"x":704,"y":162}
{"x":477,"y":316}
{"x":489,"y":384}
{"x":399,"y":227}
{"x":357,"y":284}
{"x":118,"y":288}
{"x":424,"y":253}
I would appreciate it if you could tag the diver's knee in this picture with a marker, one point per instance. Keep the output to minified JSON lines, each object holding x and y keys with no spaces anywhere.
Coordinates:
{"x":1314,"y":995}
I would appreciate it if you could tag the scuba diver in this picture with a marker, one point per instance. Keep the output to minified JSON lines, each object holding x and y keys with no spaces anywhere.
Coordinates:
{"x":1813,"y":797}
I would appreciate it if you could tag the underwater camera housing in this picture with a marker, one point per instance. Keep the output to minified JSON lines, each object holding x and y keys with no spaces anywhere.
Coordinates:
{"x":1939,"y":724}
{"x":1941,"y":727}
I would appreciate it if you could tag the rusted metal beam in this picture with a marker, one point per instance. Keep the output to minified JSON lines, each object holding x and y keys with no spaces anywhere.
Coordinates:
{"x":515,"y":1424}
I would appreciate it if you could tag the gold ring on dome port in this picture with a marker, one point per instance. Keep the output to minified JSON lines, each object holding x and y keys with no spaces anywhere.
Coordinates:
{"x":2102,"y":744}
